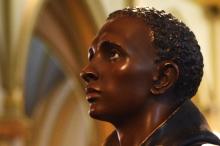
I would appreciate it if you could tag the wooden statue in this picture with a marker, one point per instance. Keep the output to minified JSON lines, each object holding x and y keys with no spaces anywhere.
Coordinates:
{"x":144,"y":67}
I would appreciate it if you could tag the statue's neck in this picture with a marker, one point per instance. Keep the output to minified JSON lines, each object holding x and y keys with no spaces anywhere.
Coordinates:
{"x":138,"y":127}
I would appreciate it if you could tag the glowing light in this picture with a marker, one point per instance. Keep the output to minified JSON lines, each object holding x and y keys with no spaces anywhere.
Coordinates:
{"x":125,"y":65}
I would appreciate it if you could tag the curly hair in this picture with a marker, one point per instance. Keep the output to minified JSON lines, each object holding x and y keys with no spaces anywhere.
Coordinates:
{"x":173,"y":41}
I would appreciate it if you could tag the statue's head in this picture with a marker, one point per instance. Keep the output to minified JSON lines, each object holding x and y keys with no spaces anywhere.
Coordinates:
{"x":139,"y":55}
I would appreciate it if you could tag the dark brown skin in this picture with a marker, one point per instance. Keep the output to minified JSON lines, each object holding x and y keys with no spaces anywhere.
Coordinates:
{"x":124,"y":85}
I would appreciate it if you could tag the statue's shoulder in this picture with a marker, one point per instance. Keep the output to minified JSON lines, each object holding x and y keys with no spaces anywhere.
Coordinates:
{"x":186,"y":127}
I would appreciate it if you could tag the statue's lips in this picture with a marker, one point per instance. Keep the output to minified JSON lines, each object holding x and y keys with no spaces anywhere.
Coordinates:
{"x":92,"y":94}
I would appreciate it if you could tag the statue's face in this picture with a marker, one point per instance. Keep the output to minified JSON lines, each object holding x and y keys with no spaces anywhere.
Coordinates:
{"x":120,"y":69}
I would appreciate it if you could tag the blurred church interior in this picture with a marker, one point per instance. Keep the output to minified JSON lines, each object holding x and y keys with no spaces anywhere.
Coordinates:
{"x":43,"y":46}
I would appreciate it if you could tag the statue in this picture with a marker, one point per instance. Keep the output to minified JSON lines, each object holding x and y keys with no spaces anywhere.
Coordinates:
{"x":144,"y":67}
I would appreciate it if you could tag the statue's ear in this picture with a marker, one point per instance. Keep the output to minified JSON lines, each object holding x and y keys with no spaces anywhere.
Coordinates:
{"x":167,"y":73}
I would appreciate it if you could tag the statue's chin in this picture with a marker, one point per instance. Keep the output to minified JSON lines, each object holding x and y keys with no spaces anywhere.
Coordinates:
{"x":101,"y":116}
{"x":98,"y":116}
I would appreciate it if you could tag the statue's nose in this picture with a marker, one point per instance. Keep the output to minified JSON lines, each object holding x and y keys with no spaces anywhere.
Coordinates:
{"x":88,"y":75}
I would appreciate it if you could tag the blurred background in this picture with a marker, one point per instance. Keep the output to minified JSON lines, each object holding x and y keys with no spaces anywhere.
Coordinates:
{"x":43,"y":46}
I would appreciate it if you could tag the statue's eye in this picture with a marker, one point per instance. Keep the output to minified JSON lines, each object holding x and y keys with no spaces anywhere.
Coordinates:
{"x":113,"y":54}
{"x":110,"y":51}
{"x":91,"y":53}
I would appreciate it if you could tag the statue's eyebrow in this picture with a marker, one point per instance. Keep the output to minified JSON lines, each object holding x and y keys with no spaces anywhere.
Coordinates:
{"x":109,"y":45}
